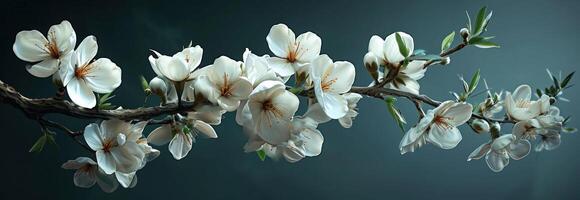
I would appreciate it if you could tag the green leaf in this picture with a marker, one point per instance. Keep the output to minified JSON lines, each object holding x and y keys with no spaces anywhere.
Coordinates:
{"x":484,"y":44}
{"x":479,"y":21}
{"x":567,"y":80}
{"x":474,"y":82}
{"x":538,"y":92}
{"x":395,"y":113}
{"x":569,"y":130}
{"x":261,"y":154}
{"x":39,"y":144}
{"x":447,"y":41}
{"x":468,"y":22}
{"x":556,"y":83}
{"x":144,"y":83}
{"x":428,"y":57}
{"x":295,"y":90}
{"x":402,"y":46}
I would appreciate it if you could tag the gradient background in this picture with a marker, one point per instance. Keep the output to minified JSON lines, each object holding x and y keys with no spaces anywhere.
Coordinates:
{"x":358,"y":163}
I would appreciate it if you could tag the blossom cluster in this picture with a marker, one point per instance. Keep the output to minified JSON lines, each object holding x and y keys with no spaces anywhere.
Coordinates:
{"x":263,"y":91}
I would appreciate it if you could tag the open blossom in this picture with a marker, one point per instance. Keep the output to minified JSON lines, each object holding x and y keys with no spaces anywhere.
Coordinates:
{"x":352,"y":100}
{"x":293,"y":53}
{"x":32,"y":46}
{"x":180,"y":136}
{"x":498,"y":152}
{"x":222,"y":83}
{"x":88,"y":174}
{"x":272,"y":109}
{"x":180,"y":66}
{"x":116,"y":150}
{"x":387,"y":51}
{"x":406,"y":79}
{"x":438,"y":127}
{"x":519,"y":105}
{"x":331,"y":80}
{"x":82,"y":76}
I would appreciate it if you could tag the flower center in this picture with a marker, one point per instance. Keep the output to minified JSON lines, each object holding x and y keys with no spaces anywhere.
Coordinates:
{"x":108,"y":145}
{"x":226,"y":89}
{"x":83,"y":71}
{"x":521,"y":103}
{"x":442,"y":121}
{"x":326,"y":83}
{"x":86,"y":168}
{"x":52,"y":47}
{"x":294,"y":52}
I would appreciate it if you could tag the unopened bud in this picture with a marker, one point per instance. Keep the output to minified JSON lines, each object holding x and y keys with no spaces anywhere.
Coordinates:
{"x":57,"y":80}
{"x":301,"y":76}
{"x":445,"y":60}
{"x":371,"y":63}
{"x":464,"y":32}
{"x":480,"y":126}
{"x":158,"y":87}
{"x":495,"y":129}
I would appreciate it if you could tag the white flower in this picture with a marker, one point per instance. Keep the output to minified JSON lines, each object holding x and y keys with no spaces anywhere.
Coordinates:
{"x":272,"y":109}
{"x":387,"y":51}
{"x":498,"y":152}
{"x":352,"y":99}
{"x":527,"y":129}
{"x":519,"y":106}
{"x":222,"y":83}
{"x":480,"y":126}
{"x":292,"y":53}
{"x":88,"y":173}
{"x":83,"y":77}
{"x":330,"y":81}
{"x":438,"y":127}
{"x":116,"y":149}
{"x":180,"y":137}
{"x":180,"y":66}
{"x":32,"y":46}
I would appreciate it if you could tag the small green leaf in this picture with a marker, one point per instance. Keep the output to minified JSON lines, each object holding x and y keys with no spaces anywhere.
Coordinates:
{"x":395,"y":113}
{"x":567,"y":80}
{"x":468,"y":21}
{"x":569,"y":130}
{"x":295,"y":90}
{"x":144,"y":83}
{"x":539,"y":92}
{"x":480,"y":21}
{"x":447,"y":41}
{"x":474,"y":82}
{"x":261,"y":154}
{"x":484,"y":44}
{"x":402,"y":46}
{"x":39,"y":144}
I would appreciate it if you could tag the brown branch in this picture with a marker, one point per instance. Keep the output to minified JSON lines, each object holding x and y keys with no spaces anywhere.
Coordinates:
{"x":34,"y":108}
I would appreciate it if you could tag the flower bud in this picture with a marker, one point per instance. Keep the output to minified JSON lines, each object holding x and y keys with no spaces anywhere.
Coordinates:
{"x":371,"y":62}
{"x":158,"y":87}
{"x":480,"y":126}
{"x":445,"y":60}
{"x":464,"y":32}
{"x":57,"y":80}
{"x":495,"y":129}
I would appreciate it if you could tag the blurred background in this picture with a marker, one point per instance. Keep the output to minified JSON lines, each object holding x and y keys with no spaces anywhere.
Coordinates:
{"x":362,"y":162}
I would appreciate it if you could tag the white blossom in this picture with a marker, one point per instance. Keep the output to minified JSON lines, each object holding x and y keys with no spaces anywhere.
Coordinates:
{"x":293,"y":53}
{"x":519,"y":105}
{"x":180,"y":66}
{"x":438,"y":127}
{"x":88,"y":174}
{"x":32,"y":46}
{"x":352,"y":100}
{"x":222,"y":83}
{"x":331,"y":80}
{"x":180,"y":136}
{"x":82,"y":76}
{"x":498,"y":152}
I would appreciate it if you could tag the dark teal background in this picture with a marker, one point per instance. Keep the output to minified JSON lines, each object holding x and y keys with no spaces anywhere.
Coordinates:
{"x":358,"y":163}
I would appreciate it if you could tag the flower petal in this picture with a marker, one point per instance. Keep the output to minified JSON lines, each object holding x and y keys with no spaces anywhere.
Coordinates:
{"x":481,"y":151}
{"x":92,"y":135}
{"x":224,"y":70}
{"x":334,"y":105}
{"x":85,"y":178}
{"x":519,"y":149}
{"x":180,"y":145}
{"x":391,"y":47}
{"x":309,"y":45}
{"x":458,"y":114}
{"x":281,"y":66}
{"x":205,"y":128}
{"x":86,"y":51}
{"x":107,"y":183}
{"x":172,"y":68}
{"x":523,"y":92}
{"x":191,"y":56}
{"x":64,"y":36}
{"x":313,"y":140}
{"x":444,"y":137}
{"x":160,"y":136}
{"x":279,"y":40}
{"x":376,"y":45}
{"x":342,"y":77}
{"x":413,"y":139}
{"x":30,"y":46}
{"x":43,"y":69}
{"x":496,"y":161}
{"x":80,"y":93}
{"x":128,"y":157}
{"x":104,"y":76}
{"x":125,"y":178}
{"x":106,"y":162}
